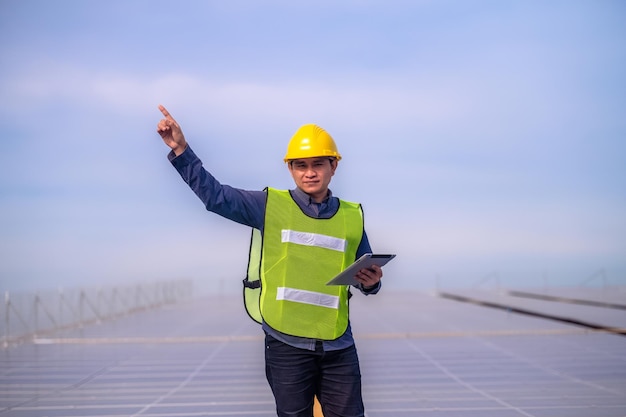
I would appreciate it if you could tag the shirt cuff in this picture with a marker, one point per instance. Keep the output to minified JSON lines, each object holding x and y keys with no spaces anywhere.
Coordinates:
{"x":370,"y":291}
{"x":183,"y":158}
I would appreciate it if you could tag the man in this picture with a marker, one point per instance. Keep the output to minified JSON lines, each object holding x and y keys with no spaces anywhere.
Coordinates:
{"x":308,"y":236}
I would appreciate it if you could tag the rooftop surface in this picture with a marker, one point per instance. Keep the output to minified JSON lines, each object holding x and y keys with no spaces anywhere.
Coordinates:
{"x":481,"y":354}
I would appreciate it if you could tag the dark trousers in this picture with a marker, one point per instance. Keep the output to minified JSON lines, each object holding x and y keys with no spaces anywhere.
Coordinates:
{"x":297,"y":375}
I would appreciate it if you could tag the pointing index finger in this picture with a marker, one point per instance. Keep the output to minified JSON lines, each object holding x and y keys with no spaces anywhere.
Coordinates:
{"x":165,"y":112}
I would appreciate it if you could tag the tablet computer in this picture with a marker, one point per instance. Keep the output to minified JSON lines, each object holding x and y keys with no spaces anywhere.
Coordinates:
{"x":346,"y":277}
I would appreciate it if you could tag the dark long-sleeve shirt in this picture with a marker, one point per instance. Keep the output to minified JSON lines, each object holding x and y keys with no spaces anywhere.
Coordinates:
{"x":248,"y":208}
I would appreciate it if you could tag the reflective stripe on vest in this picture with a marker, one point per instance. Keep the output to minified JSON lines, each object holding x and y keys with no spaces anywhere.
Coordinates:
{"x":307,"y":297}
{"x":313,"y":239}
{"x":299,"y":255}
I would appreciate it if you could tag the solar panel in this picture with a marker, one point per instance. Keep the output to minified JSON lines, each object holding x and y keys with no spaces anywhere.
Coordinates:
{"x":421,"y":355}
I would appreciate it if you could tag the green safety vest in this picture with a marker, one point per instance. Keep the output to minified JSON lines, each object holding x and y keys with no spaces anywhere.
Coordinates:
{"x":290,"y":264}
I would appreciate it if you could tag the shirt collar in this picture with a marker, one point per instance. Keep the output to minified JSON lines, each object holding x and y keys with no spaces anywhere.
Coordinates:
{"x":306,"y":199}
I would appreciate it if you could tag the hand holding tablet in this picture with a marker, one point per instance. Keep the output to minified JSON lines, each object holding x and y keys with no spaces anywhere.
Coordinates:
{"x":346,"y":277}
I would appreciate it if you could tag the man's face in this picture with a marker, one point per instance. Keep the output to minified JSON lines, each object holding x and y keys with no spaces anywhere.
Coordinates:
{"x":312,"y":175}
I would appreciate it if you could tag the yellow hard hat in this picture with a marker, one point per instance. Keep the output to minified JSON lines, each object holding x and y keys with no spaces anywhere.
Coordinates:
{"x":311,"y":141}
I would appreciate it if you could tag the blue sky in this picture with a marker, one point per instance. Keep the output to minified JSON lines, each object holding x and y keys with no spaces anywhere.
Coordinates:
{"x":484,"y":138}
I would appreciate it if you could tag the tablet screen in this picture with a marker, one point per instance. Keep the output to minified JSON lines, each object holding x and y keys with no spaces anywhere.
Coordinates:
{"x":346,"y":277}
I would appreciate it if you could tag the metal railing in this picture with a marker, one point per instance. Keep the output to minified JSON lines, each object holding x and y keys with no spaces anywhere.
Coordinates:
{"x":26,"y":316}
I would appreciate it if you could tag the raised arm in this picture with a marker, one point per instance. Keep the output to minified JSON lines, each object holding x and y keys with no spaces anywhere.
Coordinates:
{"x":171,"y":132}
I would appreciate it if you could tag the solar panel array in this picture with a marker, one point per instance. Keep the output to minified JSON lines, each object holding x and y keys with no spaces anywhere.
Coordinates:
{"x":421,"y":355}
